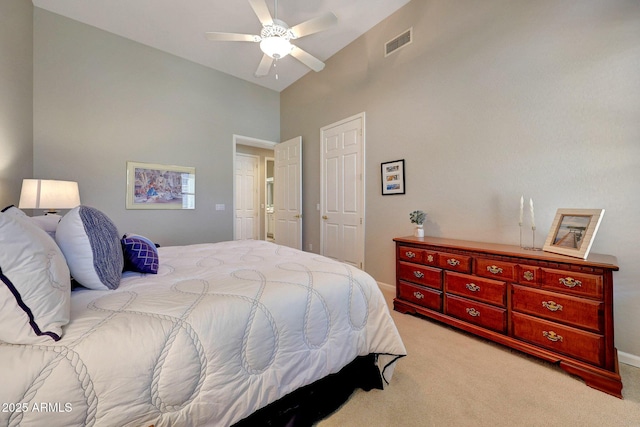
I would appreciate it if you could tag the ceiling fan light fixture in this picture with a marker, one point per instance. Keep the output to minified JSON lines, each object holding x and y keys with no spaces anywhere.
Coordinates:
{"x":276,"y":47}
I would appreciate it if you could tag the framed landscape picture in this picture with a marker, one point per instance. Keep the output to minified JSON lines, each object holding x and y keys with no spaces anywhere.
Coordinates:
{"x":393,"y":177}
{"x":573,"y":231}
{"x":155,"y":186}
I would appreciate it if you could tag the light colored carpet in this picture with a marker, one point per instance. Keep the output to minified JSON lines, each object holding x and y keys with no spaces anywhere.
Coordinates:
{"x":451,"y":378}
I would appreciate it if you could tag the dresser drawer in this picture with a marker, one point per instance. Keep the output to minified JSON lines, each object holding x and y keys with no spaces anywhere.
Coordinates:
{"x":559,"y":338}
{"x":485,"y":290}
{"x":527,"y":274}
{"x":493,"y":269}
{"x":579,"y":312}
{"x":406,"y":253}
{"x":475,"y":312}
{"x":420,"y":274}
{"x":420,"y":295}
{"x":461,"y":263}
{"x":590,"y":285}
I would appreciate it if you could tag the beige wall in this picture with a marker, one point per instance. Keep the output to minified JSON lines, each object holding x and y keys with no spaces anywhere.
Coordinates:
{"x":101,"y":100}
{"x":16,"y":98}
{"x":492,"y":100}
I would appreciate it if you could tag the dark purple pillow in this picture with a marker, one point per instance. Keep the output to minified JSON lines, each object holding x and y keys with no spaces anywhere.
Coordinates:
{"x":140,"y":254}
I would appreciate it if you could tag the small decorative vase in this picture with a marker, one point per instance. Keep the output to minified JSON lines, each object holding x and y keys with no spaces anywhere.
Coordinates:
{"x":419,"y":231}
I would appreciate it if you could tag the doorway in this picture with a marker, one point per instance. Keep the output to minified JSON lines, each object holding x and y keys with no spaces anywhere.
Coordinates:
{"x":263,"y":150}
{"x":287,"y":186}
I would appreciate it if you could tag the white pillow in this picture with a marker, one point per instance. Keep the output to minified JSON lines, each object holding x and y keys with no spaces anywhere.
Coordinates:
{"x":13,"y":211}
{"x":48,"y":222}
{"x":91,"y":244}
{"x":35,"y":285}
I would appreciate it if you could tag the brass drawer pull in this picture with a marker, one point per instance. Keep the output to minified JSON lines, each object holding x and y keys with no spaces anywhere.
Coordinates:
{"x":418,"y":274}
{"x":418,"y":295}
{"x":552,"y":336}
{"x":410,"y":254}
{"x":472,"y":287}
{"x":552,"y":305}
{"x":494,"y":269}
{"x":430,"y":258}
{"x":453,"y":262}
{"x":570,"y":282}
{"x":473,"y":312}
{"x":528,"y":275}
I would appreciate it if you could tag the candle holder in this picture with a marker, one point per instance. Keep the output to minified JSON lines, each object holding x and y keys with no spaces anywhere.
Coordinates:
{"x":520,"y":225}
{"x":533,"y":240}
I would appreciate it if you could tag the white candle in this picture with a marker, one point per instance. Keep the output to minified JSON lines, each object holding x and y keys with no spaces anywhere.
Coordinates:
{"x":533,"y":221}
{"x":521,"y":209}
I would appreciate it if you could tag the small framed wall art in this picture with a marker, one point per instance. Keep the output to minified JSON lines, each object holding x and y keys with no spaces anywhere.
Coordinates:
{"x":154,"y":186}
{"x":393,"y":177}
{"x":573,"y":231}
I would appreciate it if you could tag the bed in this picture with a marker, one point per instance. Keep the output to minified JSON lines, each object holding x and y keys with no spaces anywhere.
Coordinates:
{"x":230,"y":333}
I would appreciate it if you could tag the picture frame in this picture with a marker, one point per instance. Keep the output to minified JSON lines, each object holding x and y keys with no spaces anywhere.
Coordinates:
{"x":392,"y":175}
{"x":573,"y":231}
{"x":157,"y":186}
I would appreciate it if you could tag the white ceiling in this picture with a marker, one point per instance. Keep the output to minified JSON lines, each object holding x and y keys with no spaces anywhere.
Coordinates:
{"x":178,"y":27}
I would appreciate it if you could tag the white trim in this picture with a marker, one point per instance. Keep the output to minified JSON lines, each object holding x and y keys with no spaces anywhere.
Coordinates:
{"x":253,"y":142}
{"x":629,"y":359}
{"x":387,"y":286}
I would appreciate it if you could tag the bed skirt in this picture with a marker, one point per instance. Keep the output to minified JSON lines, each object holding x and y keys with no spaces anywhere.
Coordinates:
{"x":310,"y":404}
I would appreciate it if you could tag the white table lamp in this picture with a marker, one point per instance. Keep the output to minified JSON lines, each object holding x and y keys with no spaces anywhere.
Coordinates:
{"x":49,"y":194}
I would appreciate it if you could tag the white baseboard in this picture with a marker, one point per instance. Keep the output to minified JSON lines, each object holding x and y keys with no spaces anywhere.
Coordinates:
{"x":626,"y":358}
{"x":387,"y":286}
{"x":629,"y":359}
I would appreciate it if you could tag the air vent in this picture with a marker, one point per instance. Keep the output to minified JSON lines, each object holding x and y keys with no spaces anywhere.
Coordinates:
{"x":400,"y":41}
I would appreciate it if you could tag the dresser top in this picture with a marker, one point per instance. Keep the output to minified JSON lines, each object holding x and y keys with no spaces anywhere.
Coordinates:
{"x":595,"y":260}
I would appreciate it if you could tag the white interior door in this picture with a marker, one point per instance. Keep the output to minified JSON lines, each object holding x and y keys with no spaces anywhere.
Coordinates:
{"x":342,"y":191}
{"x":247,"y":200}
{"x":288,"y":193}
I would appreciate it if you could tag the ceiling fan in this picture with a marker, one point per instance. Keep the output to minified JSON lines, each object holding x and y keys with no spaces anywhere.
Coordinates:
{"x":275,"y":37}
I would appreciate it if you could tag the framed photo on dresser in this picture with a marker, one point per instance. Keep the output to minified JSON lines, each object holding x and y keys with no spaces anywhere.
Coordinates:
{"x":573,"y":231}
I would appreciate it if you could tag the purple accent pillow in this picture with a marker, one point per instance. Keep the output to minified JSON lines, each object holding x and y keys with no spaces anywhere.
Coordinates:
{"x":140,"y":254}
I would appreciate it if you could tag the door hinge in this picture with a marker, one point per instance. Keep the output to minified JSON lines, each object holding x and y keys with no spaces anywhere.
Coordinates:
{"x":360,"y":221}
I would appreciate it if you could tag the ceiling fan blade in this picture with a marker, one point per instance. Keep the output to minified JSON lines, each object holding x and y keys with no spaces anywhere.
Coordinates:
{"x":262,"y":11}
{"x":315,"y":25}
{"x":232,"y":37}
{"x":265,"y":66}
{"x":307,"y":59}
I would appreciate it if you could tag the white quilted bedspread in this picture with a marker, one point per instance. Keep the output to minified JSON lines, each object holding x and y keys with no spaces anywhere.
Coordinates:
{"x":222,"y":330}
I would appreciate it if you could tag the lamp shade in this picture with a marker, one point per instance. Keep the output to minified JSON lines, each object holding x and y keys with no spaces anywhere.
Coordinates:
{"x":276,"y":47}
{"x":49,"y":194}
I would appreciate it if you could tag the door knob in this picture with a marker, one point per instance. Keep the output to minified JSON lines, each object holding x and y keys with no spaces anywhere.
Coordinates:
{"x":325,"y":217}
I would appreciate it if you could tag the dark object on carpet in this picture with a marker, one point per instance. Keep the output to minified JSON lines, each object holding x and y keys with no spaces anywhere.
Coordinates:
{"x":310,"y":404}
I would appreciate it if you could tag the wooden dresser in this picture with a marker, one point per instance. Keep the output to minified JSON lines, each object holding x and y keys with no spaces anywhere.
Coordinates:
{"x":554,"y":307}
